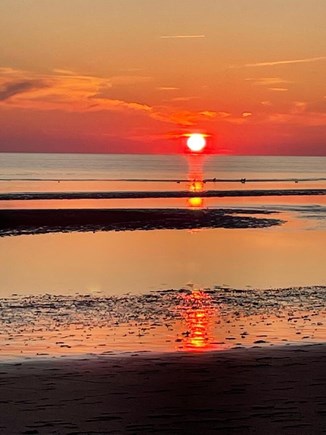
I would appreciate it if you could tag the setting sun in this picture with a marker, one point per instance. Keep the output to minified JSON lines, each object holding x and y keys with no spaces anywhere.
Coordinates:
{"x":196,"y":142}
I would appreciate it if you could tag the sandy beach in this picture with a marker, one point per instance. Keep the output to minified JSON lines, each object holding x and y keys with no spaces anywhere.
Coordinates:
{"x":85,"y":364}
{"x":247,"y":391}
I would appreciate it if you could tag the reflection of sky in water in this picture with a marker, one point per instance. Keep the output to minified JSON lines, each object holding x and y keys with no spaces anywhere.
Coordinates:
{"x":87,"y":167}
{"x":107,"y":265}
{"x":138,"y":261}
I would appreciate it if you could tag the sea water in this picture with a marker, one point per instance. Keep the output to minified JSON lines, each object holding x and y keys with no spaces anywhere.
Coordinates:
{"x":79,"y":280}
{"x":291,"y":254}
{"x":124,"y":166}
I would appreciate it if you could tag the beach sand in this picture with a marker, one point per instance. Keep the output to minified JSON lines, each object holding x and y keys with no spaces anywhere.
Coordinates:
{"x":239,"y":391}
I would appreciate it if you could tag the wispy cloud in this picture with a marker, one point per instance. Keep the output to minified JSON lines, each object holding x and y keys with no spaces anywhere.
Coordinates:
{"x":299,"y":107}
{"x":183,"y":99}
{"x":64,"y":90}
{"x":308,"y":119}
{"x":167,"y":88}
{"x":299,"y":113}
{"x":13,"y":88}
{"x":182,"y":36}
{"x":186,"y":118}
{"x":62,"y":71}
{"x":268,"y":81}
{"x":286,"y":62}
{"x":70,"y":91}
{"x":124,"y":80}
{"x":272,"y":83}
{"x":276,"y":89}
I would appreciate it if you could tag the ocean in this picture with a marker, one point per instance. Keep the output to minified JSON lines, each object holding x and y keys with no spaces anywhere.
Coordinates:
{"x":130,"y":282}
{"x":123,"y":166}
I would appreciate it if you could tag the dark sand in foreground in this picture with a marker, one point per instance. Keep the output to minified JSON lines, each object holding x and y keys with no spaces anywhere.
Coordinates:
{"x":242,"y":391}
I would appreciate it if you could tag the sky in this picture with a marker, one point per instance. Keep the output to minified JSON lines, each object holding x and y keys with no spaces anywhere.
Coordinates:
{"x":135,"y":76}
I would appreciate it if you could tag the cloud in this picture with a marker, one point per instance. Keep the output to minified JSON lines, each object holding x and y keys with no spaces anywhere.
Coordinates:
{"x":13,"y":88}
{"x":186,"y":118}
{"x":286,"y":62}
{"x":268,"y":81}
{"x":124,"y":80}
{"x":271,"y":81}
{"x":74,"y":92}
{"x":182,"y":36}
{"x":307,"y":119}
{"x":183,"y":99}
{"x":278,"y":89}
{"x":64,"y":90}
{"x":167,"y":88}
{"x":299,"y":107}
{"x":300,"y":113}
{"x":69,"y":91}
{"x":210,"y":114}
{"x":266,"y":103}
{"x":64,"y":71}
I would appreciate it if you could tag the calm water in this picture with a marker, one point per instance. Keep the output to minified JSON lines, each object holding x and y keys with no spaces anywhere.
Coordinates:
{"x":95,"y":166}
{"x":112,"y":264}
{"x":278,"y":256}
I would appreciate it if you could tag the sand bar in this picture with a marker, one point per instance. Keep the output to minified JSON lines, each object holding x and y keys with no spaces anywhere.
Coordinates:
{"x":13,"y":222}
{"x":163,"y":194}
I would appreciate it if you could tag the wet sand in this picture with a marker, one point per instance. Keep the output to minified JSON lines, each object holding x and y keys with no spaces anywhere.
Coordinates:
{"x":62,"y":371}
{"x":163,"y":321}
{"x":14,"y":222}
{"x":247,"y":391}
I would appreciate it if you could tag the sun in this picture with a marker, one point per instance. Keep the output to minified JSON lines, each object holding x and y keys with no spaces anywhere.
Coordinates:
{"x":196,"y":142}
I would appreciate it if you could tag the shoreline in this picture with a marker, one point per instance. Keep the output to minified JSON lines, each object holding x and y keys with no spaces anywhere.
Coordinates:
{"x":9,"y":361}
{"x":256,"y":390}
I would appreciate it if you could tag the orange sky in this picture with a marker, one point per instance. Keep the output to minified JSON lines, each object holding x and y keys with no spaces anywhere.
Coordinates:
{"x":133,"y":76}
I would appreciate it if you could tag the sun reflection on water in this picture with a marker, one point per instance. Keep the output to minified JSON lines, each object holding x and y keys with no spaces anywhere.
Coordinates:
{"x":198,"y":313}
{"x":195,"y":202}
{"x":196,"y":183}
